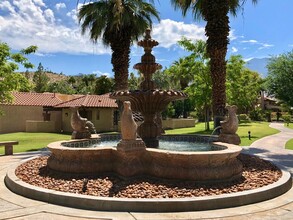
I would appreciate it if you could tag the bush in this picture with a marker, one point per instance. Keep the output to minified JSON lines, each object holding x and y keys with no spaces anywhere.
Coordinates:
{"x":287,"y":119}
{"x":257,"y":115}
{"x":243,"y":117}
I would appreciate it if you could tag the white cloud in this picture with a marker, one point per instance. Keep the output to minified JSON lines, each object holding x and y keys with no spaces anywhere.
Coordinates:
{"x":232,"y":36}
{"x":248,"y":59}
{"x":35,"y":24}
{"x":73,"y":14}
{"x":60,"y":5}
{"x":5,"y":5}
{"x":168,"y":32}
{"x":290,"y":45}
{"x":264,"y":46}
{"x":250,"y":41}
{"x":255,"y":42}
{"x":234,"y":49}
{"x":39,"y":2}
{"x":49,"y":15}
{"x":99,"y":73}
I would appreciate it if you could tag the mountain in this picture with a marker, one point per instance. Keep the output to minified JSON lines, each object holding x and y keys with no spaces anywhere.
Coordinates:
{"x":258,"y":65}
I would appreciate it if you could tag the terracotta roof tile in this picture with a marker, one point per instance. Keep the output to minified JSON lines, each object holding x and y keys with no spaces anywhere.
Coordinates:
{"x":90,"y":101}
{"x":57,"y":100}
{"x":35,"y":99}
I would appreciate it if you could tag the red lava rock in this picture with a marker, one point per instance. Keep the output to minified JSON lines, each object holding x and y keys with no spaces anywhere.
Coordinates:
{"x":256,"y":173}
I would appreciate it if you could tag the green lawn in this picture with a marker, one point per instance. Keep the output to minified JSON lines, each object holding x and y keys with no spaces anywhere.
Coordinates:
{"x":289,"y":144}
{"x":257,"y":129}
{"x":36,"y":141}
{"x":31,"y":141}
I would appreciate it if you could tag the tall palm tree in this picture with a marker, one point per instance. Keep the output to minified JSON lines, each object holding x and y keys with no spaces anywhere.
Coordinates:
{"x":215,"y":13}
{"x":117,"y":23}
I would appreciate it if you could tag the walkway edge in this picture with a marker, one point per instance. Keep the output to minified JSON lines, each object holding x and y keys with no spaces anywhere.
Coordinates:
{"x":148,"y":205}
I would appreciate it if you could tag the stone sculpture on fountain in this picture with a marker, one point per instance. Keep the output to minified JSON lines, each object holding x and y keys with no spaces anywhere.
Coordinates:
{"x":229,"y":127}
{"x":82,"y":128}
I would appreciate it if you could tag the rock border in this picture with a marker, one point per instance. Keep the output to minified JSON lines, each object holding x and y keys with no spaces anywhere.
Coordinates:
{"x":148,"y":205}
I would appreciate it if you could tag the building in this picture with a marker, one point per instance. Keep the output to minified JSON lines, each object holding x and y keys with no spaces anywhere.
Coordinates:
{"x":50,"y":112}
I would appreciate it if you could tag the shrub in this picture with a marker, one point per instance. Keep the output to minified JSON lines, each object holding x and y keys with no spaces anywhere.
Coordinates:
{"x":257,"y":115}
{"x":243,"y":117}
{"x":287,"y":119}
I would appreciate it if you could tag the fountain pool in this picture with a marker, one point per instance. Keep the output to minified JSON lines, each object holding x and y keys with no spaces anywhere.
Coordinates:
{"x":189,"y":143}
{"x":74,"y":156}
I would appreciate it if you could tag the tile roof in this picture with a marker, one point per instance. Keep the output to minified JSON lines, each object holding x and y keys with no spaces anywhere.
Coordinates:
{"x":90,"y":101}
{"x":34,"y":99}
{"x":61,"y":100}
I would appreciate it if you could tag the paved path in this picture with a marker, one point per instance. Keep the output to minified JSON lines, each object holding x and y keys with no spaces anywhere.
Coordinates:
{"x":273,"y":147}
{"x":17,"y":207}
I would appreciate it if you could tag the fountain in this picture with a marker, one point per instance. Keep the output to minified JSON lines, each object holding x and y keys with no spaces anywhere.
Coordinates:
{"x":149,"y":100}
{"x":138,"y":156}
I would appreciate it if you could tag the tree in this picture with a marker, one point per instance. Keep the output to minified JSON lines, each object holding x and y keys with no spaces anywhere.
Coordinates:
{"x":117,"y":23}
{"x":60,"y":87}
{"x":280,"y":77}
{"x":215,"y":13}
{"x":133,"y":81}
{"x":199,"y":89}
{"x":9,"y":80}
{"x":243,"y":85}
{"x":40,"y":79}
{"x":104,"y":85}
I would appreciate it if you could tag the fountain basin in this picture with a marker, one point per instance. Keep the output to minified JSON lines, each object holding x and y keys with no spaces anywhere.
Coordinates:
{"x":204,"y":166}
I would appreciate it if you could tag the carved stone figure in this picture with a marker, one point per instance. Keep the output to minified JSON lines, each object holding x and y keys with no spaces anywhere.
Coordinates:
{"x":128,"y":125}
{"x":230,"y":125}
{"x":82,"y":128}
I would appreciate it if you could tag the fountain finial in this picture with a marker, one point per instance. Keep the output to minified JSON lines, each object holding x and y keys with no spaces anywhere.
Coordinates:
{"x":147,"y":34}
{"x":148,"y":65}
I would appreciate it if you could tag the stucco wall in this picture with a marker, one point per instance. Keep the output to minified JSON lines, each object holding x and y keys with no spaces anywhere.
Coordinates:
{"x":15,"y":117}
{"x":101,"y":117}
{"x":178,"y":123}
{"x":40,"y":126}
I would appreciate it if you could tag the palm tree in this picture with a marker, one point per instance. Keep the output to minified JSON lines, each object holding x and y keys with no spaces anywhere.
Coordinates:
{"x":117,"y":23}
{"x":215,"y":13}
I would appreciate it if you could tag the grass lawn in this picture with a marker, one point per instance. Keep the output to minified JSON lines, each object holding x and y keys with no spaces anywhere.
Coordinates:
{"x":289,"y":144}
{"x":31,"y":141}
{"x":257,"y":129}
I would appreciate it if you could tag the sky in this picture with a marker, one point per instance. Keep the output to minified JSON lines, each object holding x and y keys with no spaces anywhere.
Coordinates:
{"x":258,"y":31}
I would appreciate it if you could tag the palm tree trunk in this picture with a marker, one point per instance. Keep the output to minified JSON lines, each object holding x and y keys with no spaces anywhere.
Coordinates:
{"x":215,"y":12}
{"x":120,"y":61}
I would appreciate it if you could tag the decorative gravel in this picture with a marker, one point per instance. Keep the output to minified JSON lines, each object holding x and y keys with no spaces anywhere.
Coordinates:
{"x":256,"y":173}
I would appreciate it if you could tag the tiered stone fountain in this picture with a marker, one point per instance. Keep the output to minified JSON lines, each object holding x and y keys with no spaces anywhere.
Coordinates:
{"x":149,"y":100}
{"x":131,"y":157}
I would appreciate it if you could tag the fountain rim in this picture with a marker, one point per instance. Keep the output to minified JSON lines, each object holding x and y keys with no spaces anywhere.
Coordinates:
{"x":226,"y":148}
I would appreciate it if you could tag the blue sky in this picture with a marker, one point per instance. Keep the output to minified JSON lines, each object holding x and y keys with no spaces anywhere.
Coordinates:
{"x":258,"y":31}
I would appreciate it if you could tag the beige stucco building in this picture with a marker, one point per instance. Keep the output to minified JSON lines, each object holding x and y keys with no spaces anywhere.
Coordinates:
{"x":50,"y":112}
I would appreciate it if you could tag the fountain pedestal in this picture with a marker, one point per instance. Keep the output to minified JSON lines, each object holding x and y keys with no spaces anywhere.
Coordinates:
{"x":131,"y":145}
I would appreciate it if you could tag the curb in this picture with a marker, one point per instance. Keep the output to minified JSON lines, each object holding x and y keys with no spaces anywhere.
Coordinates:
{"x":148,"y":205}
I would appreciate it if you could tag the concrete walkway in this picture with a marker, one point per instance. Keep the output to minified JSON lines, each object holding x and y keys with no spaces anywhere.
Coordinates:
{"x":16,"y":207}
{"x":273,"y":147}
